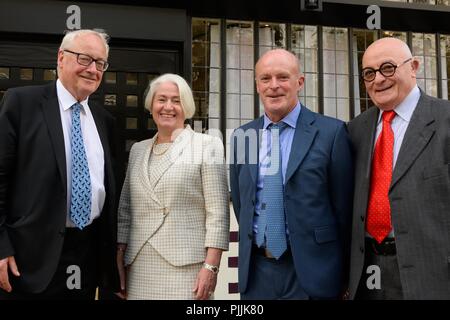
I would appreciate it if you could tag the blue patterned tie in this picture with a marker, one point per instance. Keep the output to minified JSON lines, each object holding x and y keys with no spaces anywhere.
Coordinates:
{"x":271,"y":221}
{"x":80,"y":202}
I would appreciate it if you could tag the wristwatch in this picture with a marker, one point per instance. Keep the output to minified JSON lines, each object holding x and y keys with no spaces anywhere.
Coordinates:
{"x":213,"y":269}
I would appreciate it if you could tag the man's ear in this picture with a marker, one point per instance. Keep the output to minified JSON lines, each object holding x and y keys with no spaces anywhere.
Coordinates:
{"x":60,"y":57}
{"x":301,"y":81}
{"x":415,"y":64}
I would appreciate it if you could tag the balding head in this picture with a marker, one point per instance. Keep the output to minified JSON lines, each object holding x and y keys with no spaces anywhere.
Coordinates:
{"x":391,"y":45}
{"x":279,"y":54}
{"x":387,"y":92}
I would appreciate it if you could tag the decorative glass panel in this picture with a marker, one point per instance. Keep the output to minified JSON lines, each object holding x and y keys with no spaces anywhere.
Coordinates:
{"x":26,"y":74}
{"x":4,"y":73}
{"x":132,"y":101}
{"x":49,"y":74}
{"x":110,"y":100}
{"x":132,"y":79}
{"x":110,"y":77}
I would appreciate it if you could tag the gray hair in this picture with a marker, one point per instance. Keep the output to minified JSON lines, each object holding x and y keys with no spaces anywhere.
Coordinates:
{"x":186,"y":96}
{"x":71,"y":35}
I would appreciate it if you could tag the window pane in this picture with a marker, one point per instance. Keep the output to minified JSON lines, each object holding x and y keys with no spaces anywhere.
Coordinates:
{"x":110,"y":100}
{"x":132,"y":101}
{"x":272,"y":35}
{"x":132,"y":79}
{"x":4,"y":73}
{"x":26,"y":74}
{"x":49,"y":74}
{"x":110,"y":77}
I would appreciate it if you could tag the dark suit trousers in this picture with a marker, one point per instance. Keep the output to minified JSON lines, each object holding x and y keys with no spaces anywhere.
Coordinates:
{"x":390,"y":285}
{"x":80,"y":249}
{"x":271,"y":279}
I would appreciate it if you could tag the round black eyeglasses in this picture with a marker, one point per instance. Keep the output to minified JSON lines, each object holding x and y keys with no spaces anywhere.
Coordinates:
{"x":386,"y":69}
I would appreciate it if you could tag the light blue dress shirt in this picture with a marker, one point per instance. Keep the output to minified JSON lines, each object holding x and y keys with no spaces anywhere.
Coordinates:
{"x":286,"y":138}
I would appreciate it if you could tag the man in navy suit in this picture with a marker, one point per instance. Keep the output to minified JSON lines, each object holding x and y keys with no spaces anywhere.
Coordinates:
{"x":315,"y":194}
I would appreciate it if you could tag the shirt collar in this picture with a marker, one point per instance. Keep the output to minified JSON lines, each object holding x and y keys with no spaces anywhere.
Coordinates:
{"x":406,"y":108}
{"x":65,"y":97}
{"x":290,"y":119}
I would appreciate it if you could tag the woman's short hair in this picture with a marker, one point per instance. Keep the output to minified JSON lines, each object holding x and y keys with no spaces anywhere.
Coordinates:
{"x":71,"y":35}
{"x":186,"y":97}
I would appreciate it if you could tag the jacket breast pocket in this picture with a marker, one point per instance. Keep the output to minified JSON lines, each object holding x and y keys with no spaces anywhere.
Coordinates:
{"x":436,"y":171}
{"x":325,"y":234}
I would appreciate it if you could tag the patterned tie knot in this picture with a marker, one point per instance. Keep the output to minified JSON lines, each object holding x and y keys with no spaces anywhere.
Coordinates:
{"x":277,"y":126}
{"x":388,"y":116}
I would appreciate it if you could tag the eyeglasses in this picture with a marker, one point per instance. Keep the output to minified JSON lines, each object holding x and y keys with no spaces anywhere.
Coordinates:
{"x":387,"y":69}
{"x":86,"y":60}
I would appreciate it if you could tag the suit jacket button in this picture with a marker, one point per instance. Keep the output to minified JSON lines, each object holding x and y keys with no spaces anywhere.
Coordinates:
{"x":250,"y":236}
{"x":361,"y":249}
{"x":62,"y":232}
{"x":362,"y":218}
{"x":165,"y":211}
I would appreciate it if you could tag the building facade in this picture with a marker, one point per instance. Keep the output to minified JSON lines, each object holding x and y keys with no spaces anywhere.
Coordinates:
{"x":214,"y":45}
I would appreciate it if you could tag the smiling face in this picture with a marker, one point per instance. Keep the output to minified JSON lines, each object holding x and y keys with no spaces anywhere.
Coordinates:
{"x":388,"y":92}
{"x":278,"y":81}
{"x":166,"y":108}
{"x":81,"y":81}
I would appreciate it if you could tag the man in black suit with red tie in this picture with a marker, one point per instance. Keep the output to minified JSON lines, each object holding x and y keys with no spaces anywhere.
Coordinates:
{"x":57,"y":193}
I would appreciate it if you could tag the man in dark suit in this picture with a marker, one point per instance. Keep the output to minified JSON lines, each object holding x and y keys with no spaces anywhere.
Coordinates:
{"x":401,"y":211}
{"x":57,"y":195}
{"x":294,"y":230}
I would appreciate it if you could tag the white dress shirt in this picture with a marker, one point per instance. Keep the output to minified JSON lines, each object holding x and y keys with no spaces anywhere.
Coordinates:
{"x":93,"y":147}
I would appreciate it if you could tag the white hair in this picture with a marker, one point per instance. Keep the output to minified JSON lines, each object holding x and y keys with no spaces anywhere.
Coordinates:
{"x":71,"y":36}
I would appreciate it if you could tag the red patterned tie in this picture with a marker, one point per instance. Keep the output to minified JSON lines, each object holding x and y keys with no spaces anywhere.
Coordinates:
{"x":379,"y":210}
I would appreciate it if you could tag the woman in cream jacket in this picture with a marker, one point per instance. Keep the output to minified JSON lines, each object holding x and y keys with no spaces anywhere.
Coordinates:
{"x":174,"y":206}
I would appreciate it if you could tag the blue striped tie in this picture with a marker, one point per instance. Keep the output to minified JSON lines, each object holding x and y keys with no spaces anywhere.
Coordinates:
{"x":271,"y":221}
{"x":80,"y":201}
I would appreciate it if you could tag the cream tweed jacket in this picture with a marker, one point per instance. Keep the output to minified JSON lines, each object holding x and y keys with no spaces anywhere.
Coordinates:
{"x":186,"y":211}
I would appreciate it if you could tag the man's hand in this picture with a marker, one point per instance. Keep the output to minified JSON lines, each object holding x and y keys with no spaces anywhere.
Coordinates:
{"x":5,"y":264}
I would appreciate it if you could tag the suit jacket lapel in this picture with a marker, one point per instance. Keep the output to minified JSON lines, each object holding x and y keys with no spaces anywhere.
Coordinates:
{"x":176,"y":150}
{"x":369,"y":135}
{"x":303,"y":139}
{"x":420,"y":130}
{"x":142,"y":162}
{"x":50,"y":109}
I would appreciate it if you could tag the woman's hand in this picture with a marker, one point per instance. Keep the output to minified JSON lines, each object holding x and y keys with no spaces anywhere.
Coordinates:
{"x":205,"y":284}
